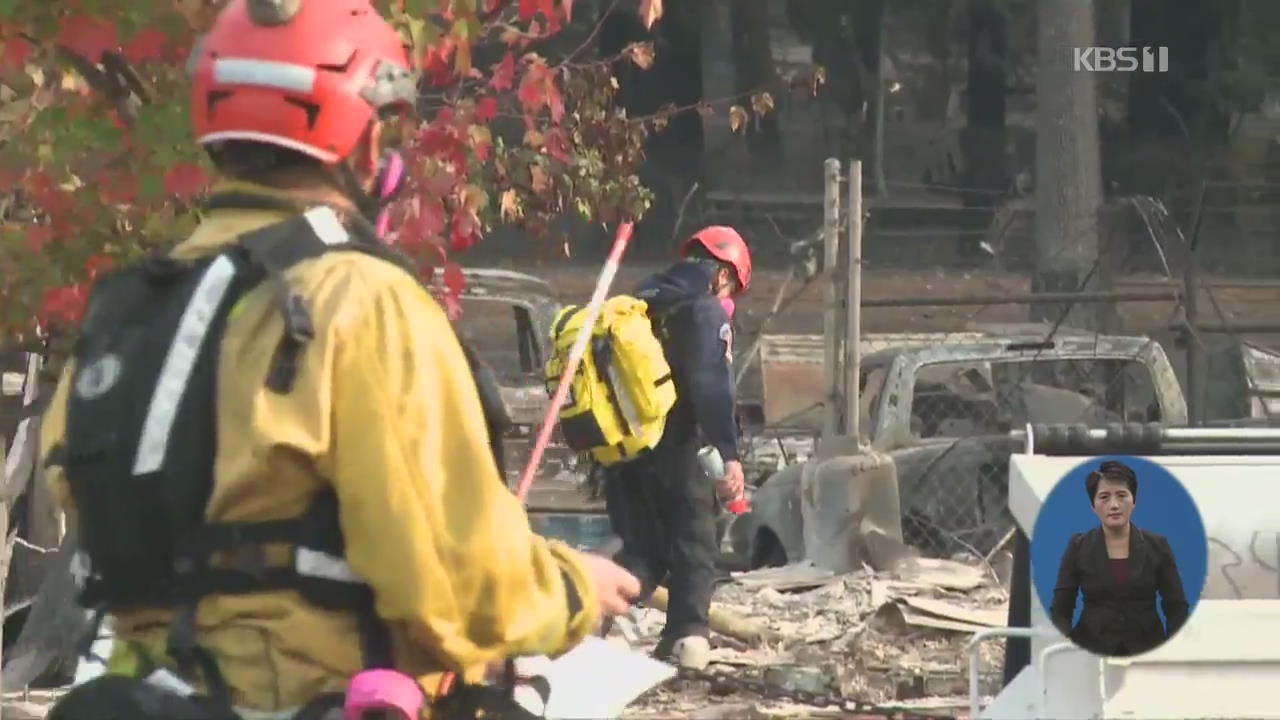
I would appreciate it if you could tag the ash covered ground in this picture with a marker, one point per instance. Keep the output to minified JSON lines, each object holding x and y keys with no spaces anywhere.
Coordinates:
{"x":888,"y":638}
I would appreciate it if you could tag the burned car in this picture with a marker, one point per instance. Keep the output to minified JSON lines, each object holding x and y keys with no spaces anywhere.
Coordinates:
{"x":505,"y":316}
{"x":930,"y":469}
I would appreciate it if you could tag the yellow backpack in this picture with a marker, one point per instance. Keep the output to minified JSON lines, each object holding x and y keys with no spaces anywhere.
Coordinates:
{"x":621,"y":394}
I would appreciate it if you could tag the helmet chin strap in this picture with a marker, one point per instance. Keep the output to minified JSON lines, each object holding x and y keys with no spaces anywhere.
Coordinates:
{"x":349,"y":184}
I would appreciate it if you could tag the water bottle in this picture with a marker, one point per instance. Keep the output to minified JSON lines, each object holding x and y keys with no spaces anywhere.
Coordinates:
{"x":713,"y":467}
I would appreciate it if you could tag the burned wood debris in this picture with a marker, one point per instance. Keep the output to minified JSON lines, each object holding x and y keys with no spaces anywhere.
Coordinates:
{"x":893,"y":639}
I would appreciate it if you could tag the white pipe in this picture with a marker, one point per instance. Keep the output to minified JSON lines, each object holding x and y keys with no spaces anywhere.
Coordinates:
{"x":972,"y":649}
{"x":1199,"y":435}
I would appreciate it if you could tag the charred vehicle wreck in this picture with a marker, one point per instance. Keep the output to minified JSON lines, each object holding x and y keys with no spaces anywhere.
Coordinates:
{"x":929,"y":474}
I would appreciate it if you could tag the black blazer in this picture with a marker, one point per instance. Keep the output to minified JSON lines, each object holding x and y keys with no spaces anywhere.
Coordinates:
{"x":1118,"y":619}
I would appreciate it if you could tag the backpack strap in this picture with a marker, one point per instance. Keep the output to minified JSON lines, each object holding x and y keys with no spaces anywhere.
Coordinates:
{"x":273,"y":250}
{"x":492,"y":406}
{"x":318,"y":572}
{"x":566,"y":314}
{"x":362,"y":234}
{"x":675,"y":307}
{"x":660,"y":317}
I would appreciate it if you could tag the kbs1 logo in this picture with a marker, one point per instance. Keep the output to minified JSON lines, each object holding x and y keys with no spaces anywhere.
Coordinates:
{"x":1121,"y":59}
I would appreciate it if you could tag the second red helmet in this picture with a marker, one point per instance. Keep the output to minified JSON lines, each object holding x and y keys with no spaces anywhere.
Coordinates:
{"x":726,"y":245}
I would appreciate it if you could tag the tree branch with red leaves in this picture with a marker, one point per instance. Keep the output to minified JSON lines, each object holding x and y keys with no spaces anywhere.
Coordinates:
{"x":97,"y":165}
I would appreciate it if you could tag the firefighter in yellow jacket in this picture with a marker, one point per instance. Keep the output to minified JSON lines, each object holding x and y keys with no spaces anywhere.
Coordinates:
{"x":270,"y":441}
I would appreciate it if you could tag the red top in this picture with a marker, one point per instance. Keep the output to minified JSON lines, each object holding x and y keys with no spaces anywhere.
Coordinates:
{"x":1120,"y":568}
{"x":311,"y":84}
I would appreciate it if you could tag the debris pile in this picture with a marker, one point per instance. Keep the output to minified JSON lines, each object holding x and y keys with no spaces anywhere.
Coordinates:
{"x":29,"y":705}
{"x":891,"y":639}
{"x":764,"y":455}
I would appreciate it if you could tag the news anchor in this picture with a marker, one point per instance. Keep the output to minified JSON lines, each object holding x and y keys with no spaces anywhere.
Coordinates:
{"x":1120,"y":569}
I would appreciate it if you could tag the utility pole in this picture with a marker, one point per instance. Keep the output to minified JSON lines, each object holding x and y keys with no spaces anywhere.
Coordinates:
{"x":832,"y":315}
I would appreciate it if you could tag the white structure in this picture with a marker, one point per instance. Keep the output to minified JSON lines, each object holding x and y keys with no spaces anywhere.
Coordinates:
{"x":1226,"y":660}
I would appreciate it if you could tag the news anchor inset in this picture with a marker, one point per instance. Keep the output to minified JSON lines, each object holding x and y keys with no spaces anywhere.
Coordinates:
{"x":1122,"y":586}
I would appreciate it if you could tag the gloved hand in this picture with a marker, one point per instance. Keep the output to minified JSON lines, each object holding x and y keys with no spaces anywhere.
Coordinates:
{"x":732,"y":484}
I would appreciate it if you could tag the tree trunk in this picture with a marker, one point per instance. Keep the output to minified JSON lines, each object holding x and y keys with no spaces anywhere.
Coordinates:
{"x":1113,"y":25}
{"x":1113,"y":91}
{"x":869,"y":22}
{"x":1069,"y":175}
{"x":985,"y":162}
{"x":677,"y":77}
{"x":754,"y":71}
{"x":1180,"y":121}
{"x":1171,"y":116}
{"x":719,"y":78}
{"x":829,"y":24}
{"x":938,"y":37}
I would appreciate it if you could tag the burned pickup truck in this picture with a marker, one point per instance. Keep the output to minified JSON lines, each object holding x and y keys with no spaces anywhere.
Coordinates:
{"x":505,"y":316}
{"x":931,"y":468}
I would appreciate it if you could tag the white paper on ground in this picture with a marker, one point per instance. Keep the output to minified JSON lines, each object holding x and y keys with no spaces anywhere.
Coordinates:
{"x":596,"y":679}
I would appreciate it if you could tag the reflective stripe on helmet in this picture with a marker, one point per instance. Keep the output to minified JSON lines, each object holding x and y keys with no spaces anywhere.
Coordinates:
{"x":264,"y":73}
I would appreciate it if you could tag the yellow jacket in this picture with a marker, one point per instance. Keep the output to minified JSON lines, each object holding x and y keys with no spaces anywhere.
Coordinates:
{"x":383,"y":409}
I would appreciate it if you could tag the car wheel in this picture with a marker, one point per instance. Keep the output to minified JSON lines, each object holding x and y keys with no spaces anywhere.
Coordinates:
{"x":767,"y":550}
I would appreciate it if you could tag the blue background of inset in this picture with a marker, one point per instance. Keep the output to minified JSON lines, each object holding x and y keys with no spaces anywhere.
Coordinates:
{"x":1163,"y":506}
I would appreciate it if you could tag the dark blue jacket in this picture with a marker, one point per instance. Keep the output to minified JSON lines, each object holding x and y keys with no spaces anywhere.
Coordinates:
{"x":696,"y":339}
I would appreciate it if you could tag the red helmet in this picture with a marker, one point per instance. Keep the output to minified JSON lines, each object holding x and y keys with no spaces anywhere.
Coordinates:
{"x":726,"y":245}
{"x":309,"y":81}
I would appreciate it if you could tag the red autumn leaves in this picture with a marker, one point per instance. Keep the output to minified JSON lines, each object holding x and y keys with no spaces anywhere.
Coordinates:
{"x":14,"y":54}
{"x":538,"y":88}
{"x":73,"y":195}
{"x":66,"y":212}
{"x":504,"y":73}
{"x":90,"y":37}
{"x":446,"y":206}
{"x":66,"y":303}
{"x":185,"y":180}
{"x":78,"y":189}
